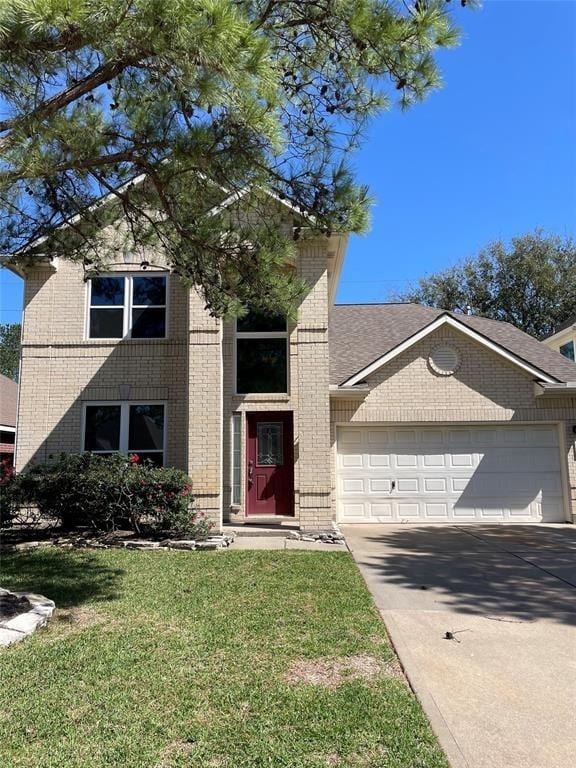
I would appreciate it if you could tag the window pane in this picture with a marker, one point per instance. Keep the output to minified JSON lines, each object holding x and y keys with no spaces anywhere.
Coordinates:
{"x":261,"y":322}
{"x":270,"y":444}
{"x":107,"y":291}
{"x":148,"y":323}
{"x":155,"y":458}
{"x":568,"y":350}
{"x":146,"y":429}
{"x":8,"y":437}
{"x":102,"y":431}
{"x":261,"y":365}
{"x":149,"y":290}
{"x":236,"y":458}
{"x":106,"y":323}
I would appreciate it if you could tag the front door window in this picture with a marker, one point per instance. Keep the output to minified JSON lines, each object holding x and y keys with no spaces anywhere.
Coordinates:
{"x":270,"y":444}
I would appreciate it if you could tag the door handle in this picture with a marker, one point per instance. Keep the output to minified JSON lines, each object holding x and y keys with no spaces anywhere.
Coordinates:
{"x":393,"y":485}
{"x":250,"y":472}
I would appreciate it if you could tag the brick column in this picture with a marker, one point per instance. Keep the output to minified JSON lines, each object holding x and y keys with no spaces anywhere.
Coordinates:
{"x":205,"y":408}
{"x":313,"y":424}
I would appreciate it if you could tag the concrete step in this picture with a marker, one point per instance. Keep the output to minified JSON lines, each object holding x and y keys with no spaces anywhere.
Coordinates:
{"x":250,"y":529}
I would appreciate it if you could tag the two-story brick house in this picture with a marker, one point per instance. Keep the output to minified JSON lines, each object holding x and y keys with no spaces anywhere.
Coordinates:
{"x":379,"y":413}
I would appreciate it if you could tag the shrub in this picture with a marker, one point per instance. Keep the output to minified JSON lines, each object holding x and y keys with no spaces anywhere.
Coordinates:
{"x":109,"y":492}
{"x":8,"y":502}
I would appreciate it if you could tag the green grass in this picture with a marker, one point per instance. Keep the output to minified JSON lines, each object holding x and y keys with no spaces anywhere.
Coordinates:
{"x":173,"y":659}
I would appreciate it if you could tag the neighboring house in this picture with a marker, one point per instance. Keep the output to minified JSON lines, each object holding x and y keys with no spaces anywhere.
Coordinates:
{"x":563,"y":339}
{"x":366,"y":413}
{"x":8,"y":409}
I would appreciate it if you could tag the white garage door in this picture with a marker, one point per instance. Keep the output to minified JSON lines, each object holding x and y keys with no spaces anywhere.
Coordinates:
{"x":449,"y":474}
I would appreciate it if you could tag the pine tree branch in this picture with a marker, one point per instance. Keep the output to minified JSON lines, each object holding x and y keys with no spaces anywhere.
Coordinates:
{"x":99,"y":76}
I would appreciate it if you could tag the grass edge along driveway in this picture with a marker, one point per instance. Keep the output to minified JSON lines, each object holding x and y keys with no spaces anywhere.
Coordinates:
{"x":222,"y":660}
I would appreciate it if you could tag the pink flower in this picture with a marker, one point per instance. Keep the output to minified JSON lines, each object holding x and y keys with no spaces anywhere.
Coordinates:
{"x":134,"y":459}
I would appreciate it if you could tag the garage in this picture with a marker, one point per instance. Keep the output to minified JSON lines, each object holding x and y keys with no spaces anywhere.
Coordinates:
{"x":436,"y":474}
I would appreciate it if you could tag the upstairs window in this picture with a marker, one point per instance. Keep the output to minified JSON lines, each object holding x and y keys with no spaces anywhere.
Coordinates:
{"x":568,"y":350}
{"x":127,"y":307}
{"x":131,"y":428}
{"x":261,"y":354}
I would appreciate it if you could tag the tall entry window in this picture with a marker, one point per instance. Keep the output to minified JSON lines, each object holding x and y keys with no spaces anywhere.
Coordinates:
{"x":131,"y":428}
{"x":127,"y":306}
{"x":261,"y":354}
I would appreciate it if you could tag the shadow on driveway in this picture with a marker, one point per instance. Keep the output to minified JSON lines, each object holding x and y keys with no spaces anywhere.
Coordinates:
{"x":515,"y":572}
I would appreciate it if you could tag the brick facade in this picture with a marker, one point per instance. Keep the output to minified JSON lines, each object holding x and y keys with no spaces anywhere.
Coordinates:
{"x":192,"y":372}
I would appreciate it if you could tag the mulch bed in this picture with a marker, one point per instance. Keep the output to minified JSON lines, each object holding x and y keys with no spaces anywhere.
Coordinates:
{"x":12,"y":605}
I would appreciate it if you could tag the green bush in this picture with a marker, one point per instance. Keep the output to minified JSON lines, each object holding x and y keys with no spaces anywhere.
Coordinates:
{"x":110,"y":492}
{"x":8,"y":502}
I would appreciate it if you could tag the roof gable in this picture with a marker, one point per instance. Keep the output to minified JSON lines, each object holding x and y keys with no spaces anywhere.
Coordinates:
{"x":439,"y":322}
{"x":362,"y":334}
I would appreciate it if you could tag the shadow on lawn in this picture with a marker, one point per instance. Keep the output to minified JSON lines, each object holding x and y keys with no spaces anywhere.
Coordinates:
{"x":69,"y":579}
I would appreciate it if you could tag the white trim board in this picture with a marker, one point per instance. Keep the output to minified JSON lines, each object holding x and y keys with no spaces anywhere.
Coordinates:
{"x":433,"y":326}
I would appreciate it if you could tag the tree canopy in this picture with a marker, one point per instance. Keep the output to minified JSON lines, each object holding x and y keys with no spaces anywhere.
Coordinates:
{"x":530,"y":283}
{"x":200,"y":100}
{"x":10,"y":350}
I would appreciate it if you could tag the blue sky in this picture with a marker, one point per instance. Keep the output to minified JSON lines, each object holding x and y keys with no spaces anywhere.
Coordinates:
{"x":492,"y":155}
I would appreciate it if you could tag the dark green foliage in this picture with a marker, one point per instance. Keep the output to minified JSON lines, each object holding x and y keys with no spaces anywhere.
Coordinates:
{"x":201,"y":99}
{"x":108,"y":492}
{"x":10,"y":350}
{"x":530,"y":283}
{"x":8,"y":500}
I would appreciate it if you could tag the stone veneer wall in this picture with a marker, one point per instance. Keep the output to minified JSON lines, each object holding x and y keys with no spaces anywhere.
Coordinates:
{"x":485,"y":388}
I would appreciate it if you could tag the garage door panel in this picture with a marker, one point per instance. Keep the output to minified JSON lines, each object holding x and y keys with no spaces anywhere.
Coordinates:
{"x":379,"y":485}
{"x":434,"y":484}
{"x":351,"y":460}
{"x":440,"y":474}
{"x":352,"y":485}
{"x":407,"y":485}
{"x":462,"y":460}
{"x":378,"y":460}
{"x":403,"y":460}
{"x":433,"y":460}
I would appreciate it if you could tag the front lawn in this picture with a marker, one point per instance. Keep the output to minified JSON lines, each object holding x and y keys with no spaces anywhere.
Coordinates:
{"x":219,"y":660}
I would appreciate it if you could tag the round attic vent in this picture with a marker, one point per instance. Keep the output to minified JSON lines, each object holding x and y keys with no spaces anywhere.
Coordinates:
{"x":444,"y":360}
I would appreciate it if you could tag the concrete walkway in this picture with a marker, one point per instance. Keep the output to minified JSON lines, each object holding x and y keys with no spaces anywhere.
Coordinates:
{"x":276,"y":542}
{"x":500,"y":689}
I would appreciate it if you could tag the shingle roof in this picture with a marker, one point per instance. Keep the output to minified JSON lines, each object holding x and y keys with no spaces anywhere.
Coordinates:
{"x":361,"y":333}
{"x":8,"y":401}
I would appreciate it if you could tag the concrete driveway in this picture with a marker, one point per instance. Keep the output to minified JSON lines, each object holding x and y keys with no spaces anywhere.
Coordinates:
{"x":502,"y":692}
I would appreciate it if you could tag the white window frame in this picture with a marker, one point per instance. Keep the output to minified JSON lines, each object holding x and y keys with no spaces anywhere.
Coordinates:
{"x":254,"y":335}
{"x":125,"y":406}
{"x":128,"y":306}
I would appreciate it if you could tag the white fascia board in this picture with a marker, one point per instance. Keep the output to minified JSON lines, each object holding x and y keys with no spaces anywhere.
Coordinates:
{"x":559,"y":334}
{"x":341,"y":244}
{"x":453,"y":323}
{"x":347,"y":392}
{"x":567,"y":389}
{"x":4,"y":428}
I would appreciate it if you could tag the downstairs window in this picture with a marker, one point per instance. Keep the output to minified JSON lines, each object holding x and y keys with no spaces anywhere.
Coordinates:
{"x":131,"y":428}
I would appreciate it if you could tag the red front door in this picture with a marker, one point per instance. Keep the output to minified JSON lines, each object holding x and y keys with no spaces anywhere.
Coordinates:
{"x":270,"y":464}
